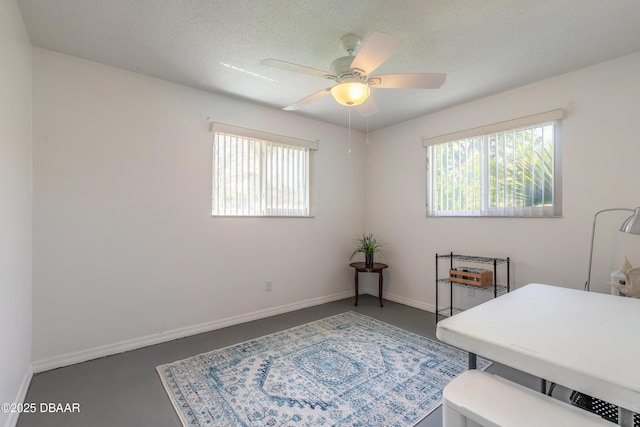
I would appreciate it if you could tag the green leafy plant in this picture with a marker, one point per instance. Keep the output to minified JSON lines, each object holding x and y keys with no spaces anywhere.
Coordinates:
{"x":368,"y":245}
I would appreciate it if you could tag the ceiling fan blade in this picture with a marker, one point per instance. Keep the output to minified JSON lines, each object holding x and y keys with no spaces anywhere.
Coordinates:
{"x":307,"y":100}
{"x":408,"y":81}
{"x":376,"y":49}
{"x":295,"y":68}
{"x":368,"y":107}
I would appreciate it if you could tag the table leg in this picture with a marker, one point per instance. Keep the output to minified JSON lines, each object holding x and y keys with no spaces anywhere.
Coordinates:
{"x":625,"y":417}
{"x":473,"y":361}
{"x":356,"y":281}
{"x":380,"y":287}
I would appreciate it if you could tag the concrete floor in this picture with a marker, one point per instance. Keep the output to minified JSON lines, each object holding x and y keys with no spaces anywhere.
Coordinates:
{"x":124,"y":390}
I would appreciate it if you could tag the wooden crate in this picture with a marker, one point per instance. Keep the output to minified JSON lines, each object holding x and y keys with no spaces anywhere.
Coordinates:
{"x":481,"y":279}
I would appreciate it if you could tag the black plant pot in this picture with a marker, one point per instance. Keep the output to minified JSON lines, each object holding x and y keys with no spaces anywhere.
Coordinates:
{"x":368,"y":260}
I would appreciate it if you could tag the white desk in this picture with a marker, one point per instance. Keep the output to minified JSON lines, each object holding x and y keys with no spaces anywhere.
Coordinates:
{"x":586,"y":341}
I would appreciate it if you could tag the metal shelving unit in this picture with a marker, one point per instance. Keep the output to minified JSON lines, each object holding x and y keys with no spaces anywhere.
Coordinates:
{"x":497,"y":289}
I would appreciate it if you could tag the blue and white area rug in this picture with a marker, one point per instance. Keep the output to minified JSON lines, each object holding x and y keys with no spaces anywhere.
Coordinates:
{"x":345,"y":370}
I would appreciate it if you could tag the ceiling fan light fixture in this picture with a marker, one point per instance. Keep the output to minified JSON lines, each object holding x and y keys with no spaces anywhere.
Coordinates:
{"x":350,"y":93}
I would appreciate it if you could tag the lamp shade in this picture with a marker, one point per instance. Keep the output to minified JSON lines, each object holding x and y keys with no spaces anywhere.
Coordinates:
{"x":632,"y":224}
{"x":350,"y":93}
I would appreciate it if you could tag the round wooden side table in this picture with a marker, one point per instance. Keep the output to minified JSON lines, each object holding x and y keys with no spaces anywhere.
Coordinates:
{"x":361,"y":267}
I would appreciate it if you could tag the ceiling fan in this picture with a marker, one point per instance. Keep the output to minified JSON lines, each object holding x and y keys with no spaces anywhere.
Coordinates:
{"x":352,"y":73}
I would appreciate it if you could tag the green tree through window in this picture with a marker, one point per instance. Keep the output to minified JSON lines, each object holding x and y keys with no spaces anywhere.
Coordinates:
{"x":508,"y":173}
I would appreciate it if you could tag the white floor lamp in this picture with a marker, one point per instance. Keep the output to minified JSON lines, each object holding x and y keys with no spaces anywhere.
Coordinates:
{"x":631,"y":226}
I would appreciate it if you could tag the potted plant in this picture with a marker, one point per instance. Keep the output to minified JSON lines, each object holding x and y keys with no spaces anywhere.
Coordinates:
{"x":368,"y":245}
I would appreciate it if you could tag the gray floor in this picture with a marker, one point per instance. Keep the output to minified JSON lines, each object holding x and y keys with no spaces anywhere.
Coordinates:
{"x":124,"y":390}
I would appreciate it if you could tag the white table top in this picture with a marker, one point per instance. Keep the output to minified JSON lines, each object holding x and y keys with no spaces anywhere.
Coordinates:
{"x":585,"y":341}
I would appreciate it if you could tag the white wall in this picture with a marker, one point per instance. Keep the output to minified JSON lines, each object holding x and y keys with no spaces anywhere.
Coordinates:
{"x":125,"y":249}
{"x":15,"y":207}
{"x":601,"y":149}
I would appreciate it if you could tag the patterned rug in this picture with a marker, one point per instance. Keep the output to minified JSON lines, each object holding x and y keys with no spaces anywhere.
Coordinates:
{"x":345,"y":370}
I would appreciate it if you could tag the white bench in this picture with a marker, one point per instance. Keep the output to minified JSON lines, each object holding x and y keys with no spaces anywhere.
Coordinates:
{"x":476,"y":398}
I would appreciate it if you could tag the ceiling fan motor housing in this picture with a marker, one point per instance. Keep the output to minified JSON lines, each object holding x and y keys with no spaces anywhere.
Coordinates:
{"x":341,"y":68}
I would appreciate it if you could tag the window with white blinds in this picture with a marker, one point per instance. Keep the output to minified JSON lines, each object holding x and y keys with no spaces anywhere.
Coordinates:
{"x":260,"y":174}
{"x":508,"y":169}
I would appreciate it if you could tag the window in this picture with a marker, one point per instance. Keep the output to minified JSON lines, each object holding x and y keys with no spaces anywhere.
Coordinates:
{"x":507,"y":169}
{"x":260,"y":174}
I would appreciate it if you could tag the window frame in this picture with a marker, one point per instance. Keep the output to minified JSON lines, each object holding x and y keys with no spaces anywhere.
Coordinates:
{"x":275,"y":141}
{"x":485,"y":132}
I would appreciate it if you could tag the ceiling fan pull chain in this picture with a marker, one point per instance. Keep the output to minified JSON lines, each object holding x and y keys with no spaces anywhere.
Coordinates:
{"x":349,"y":115}
{"x":367,"y":140}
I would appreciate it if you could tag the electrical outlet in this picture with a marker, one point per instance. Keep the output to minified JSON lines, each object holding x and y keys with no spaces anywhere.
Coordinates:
{"x":471,"y":292}
{"x":268,"y":285}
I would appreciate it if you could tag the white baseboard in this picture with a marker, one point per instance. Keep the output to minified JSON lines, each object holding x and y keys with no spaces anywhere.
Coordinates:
{"x":399,"y":299}
{"x":410,"y":302}
{"x":132,"y":344}
{"x":20,"y":396}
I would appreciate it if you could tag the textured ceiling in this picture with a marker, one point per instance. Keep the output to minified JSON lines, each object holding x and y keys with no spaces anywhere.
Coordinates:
{"x":484,"y":46}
